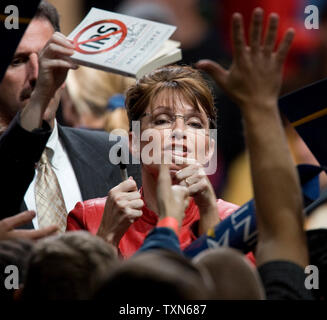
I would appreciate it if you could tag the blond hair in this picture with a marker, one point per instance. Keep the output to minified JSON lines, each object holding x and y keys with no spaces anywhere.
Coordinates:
{"x":90,"y":90}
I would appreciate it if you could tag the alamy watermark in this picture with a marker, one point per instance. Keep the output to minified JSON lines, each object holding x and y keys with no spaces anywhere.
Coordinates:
{"x":12,"y":279}
{"x":152,"y":146}
{"x":312,"y":19}
{"x":312,"y":278}
{"x":10,"y":17}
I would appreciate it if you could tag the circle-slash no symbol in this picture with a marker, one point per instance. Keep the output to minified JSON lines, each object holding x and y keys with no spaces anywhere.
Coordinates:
{"x":117,"y":28}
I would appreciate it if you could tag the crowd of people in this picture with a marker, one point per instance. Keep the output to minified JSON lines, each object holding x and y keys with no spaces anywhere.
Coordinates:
{"x":75,"y":230}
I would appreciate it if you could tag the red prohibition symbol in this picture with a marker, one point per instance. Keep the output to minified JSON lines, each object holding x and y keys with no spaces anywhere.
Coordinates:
{"x":122,"y":29}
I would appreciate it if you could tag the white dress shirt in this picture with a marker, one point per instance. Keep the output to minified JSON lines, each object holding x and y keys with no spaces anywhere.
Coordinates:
{"x":63,"y":169}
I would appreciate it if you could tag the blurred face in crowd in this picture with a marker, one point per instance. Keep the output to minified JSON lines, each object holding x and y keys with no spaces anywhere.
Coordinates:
{"x":174,"y":132}
{"x":20,"y":79}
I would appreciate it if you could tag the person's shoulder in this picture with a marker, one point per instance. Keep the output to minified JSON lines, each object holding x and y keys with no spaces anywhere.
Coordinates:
{"x":94,"y":206}
{"x":86,"y":215}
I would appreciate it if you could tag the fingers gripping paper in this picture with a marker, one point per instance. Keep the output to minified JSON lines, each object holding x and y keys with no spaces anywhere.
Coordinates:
{"x":122,"y":44}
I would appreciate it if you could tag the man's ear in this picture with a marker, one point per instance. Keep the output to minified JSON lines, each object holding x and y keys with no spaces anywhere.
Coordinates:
{"x":134,"y":144}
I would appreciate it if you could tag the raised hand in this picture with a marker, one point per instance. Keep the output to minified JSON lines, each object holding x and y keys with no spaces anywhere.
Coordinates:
{"x":199,"y":187}
{"x":172,"y":200}
{"x":256,"y":72}
{"x":254,"y":82}
{"x":54,"y":63}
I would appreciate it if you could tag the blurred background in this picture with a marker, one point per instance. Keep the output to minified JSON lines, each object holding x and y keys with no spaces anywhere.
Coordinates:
{"x":203,"y":28}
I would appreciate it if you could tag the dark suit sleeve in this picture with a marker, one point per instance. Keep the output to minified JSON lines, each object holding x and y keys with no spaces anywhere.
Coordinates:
{"x":161,"y":238}
{"x":20,"y":150}
{"x":284,"y":280}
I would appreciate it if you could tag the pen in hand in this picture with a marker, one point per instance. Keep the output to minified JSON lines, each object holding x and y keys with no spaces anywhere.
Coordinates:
{"x":123,"y":171}
{"x":122,"y":167}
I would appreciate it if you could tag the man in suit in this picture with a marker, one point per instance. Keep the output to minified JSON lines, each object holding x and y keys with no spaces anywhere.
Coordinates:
{"x":29,"y":98}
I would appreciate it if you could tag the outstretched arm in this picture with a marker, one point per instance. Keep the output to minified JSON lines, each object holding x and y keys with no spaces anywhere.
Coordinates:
{"x":254,"y":82}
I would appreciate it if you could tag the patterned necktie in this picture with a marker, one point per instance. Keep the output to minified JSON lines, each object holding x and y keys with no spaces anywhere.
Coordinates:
{"x":49,"y":200}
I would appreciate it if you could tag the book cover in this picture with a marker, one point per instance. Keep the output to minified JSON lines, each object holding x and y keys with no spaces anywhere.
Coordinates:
{"x":122,"y":44}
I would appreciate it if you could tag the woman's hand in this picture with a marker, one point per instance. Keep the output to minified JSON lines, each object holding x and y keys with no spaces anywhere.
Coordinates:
{"x":199,"y":187}
{"x":123,"y":205}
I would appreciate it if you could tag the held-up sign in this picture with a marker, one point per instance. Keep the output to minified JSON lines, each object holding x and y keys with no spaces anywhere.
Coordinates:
{"x":100,"y":36}
{"x":122,"y":44}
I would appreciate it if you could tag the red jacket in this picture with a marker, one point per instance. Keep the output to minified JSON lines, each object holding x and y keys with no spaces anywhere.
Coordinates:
{"x":87,"y":215}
